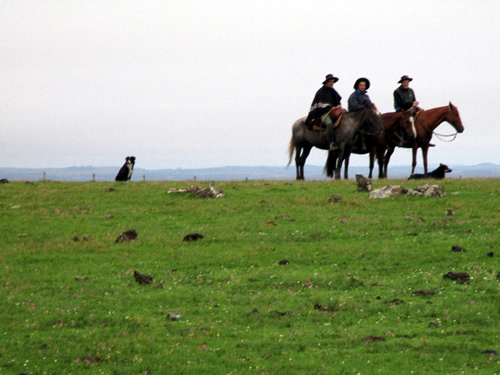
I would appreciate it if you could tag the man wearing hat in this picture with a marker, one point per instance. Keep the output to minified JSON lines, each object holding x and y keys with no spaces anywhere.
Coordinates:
{"x":325,"y":99}
{"x":359,"y":99}
{"x":404,"y":97}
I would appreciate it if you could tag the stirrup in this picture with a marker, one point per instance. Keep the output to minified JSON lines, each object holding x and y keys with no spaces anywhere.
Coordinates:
{"x":333,"y":147}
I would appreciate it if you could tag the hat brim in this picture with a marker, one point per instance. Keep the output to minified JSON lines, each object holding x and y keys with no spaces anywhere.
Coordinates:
{"x":334,"y":79}
{"x":406,"y":79}
{"x":362,"y":80}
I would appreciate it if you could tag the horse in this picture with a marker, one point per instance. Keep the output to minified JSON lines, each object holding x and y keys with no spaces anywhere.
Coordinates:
{"x":425,"y":123}
{"x":303,"y":140}
{"x":364,"y":121}
{"x":376,"y":145}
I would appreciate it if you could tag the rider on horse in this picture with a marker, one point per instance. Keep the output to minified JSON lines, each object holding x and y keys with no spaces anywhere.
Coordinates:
{"x":404,"y":96}
{"x":325,"y":99}
{"x":359,"y":99}
{"x":404,"y":99}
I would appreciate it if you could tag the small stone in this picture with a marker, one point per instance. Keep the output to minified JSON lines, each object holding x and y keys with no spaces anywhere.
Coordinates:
{"x":174,"y":316}
{"x":363,"y":183}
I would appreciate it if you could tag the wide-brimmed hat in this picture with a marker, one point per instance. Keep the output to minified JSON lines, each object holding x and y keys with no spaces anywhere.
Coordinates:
{"x":329,"y":77}
{"x":405,"y":78}
{"x":361,"y":80}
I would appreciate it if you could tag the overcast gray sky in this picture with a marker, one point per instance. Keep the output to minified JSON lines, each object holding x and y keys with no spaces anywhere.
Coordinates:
{"x":195,"y":84}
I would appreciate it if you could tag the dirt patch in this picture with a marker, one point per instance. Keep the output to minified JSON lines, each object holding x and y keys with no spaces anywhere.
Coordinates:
{"x":459,"y":277}
{"x":142,"y":279}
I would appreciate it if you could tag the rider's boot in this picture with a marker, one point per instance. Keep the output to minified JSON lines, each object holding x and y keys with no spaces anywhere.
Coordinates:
{"x":330,"y":138}
{"x":332,"y":145}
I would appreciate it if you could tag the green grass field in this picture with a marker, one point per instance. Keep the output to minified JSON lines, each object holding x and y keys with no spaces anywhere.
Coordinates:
{"x":362,"y":292}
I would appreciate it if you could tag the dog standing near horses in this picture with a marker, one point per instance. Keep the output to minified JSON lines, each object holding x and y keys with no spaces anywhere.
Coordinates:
{"x":125,"y":172}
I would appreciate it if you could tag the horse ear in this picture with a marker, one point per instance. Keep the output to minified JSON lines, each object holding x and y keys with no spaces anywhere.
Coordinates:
{"x":451,"y":105}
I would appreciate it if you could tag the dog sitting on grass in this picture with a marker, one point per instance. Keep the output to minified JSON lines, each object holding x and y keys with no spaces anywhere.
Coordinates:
{"x":437,"y":173}
{"x":125,"y":172}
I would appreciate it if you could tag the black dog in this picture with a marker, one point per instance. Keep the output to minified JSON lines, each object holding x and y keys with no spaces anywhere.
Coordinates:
{"x":126,"y":171}
{"x":437,"y":173}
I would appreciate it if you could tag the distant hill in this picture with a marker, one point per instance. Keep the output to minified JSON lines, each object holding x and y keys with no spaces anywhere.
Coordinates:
{"x":313,"y":172}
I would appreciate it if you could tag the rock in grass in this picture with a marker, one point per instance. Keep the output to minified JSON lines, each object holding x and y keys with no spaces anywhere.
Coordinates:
{"x":174,"y":315}
{"x":387,"y":191}
{"x":457,"y":249}
{"x":459,"y":277}
{"x":363,"y":183}
{"x":127,"y":236}
{"x":142,"y":279}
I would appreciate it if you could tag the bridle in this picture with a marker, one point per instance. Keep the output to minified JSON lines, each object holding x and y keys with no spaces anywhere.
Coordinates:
{"x":440,"y":136}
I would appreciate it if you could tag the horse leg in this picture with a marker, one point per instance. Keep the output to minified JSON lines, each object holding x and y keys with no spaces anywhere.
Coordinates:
{"x":425,"y":148}
{"x":298,"y":167}
{"x":346,"y":167}
{"x":340,"y":159}
{"x":372,"y":163}
{"x":414,"y":161}
{"x":302,"y":160}
{"x":380,"y":160}
{"x":387,"y":158}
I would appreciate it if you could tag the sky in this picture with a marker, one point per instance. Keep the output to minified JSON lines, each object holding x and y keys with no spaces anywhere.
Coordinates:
{"x":200,"y":84}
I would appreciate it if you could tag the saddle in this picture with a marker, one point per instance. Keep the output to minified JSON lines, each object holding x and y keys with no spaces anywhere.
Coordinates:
{"x":334,"y":115}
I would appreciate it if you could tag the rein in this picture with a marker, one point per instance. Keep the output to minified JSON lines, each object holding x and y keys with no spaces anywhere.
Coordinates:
{"x":401,"y":139}
{"x":440,"y":136}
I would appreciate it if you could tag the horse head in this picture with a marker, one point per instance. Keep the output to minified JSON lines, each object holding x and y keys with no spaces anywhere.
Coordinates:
{"x":453,"y":117}
{"x":372,"y":120}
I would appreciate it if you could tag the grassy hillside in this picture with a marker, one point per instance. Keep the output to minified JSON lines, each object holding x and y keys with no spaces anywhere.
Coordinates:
{"x":361,"y":290}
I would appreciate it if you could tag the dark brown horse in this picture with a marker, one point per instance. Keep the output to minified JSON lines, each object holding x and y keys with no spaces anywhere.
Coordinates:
{"x":426,"y":121}
{"x":376,"y":145}
{"x":366,"y":121}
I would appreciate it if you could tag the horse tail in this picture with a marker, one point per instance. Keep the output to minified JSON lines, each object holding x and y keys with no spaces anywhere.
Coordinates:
{"x":291,"y":149}
{"x":330,"y":163}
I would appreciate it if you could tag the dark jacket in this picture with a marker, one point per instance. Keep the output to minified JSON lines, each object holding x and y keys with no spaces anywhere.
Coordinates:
{"x":324,"y":99}
{"x":358,"y":100}
{"x":403,"y":98}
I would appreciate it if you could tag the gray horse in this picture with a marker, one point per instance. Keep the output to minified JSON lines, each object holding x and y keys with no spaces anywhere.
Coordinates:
{"x":366,"y":121}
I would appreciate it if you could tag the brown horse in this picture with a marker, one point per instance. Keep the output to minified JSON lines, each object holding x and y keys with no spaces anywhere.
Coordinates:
{"x":425,"y":123}
{"x":376,"y":145}
{"x":365,"y":122}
